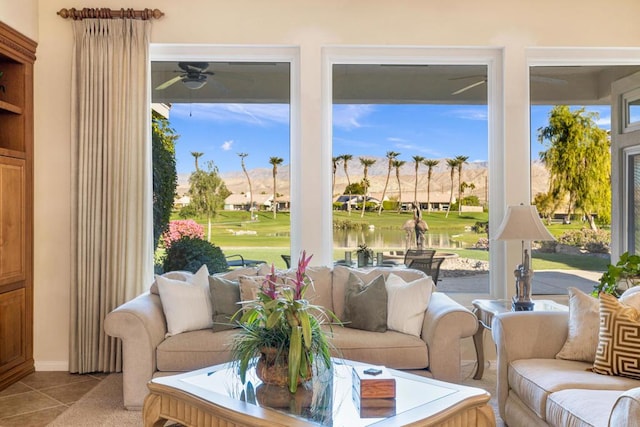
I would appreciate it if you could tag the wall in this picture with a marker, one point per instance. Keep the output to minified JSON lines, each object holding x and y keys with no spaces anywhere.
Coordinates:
{"x":311,"y":25}
{"x":21,"y":15}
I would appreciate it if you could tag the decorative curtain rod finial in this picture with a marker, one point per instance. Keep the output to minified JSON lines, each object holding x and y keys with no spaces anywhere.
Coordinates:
{"x":105,"y":13}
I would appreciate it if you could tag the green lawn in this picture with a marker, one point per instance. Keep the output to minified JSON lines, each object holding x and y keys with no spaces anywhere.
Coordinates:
{"x":267,"y":238}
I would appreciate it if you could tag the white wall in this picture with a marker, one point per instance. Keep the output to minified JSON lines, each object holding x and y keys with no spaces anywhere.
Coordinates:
{"x":311,"y":25}
{"x":21,"y":15}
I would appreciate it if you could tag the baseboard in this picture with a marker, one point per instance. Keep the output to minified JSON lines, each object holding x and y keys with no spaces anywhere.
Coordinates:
{"x":52,"y":365}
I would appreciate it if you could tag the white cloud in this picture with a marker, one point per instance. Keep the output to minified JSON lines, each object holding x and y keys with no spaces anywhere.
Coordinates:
{"x":420,"y":149}
{"x":350,"y":117}
{"x":469,"y":113}
{"x":256,"y":114}
{"x":226,"y":146}
{"x":395,"y":139}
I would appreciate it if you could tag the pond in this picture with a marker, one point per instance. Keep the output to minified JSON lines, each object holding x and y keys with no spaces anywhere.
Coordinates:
{"x":389,"y":239}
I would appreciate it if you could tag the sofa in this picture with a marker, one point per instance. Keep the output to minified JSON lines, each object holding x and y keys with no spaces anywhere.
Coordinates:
{"x":434,"y":350}
{"x":559,"y":368}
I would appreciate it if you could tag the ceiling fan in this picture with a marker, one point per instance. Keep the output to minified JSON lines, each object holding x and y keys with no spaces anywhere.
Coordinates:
{"x":193,"y":75}
{"x":483,"y":79}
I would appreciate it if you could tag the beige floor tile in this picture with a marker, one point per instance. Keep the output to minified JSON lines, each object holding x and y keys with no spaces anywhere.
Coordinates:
{"x":70,"y":393}
{"x":16,"y":388}
{"x":34,"y":419}
{"x":46,"y":379}
{"x":24,"y":403}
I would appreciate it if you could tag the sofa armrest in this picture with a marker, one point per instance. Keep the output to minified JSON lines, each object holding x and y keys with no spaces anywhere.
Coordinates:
{"x":141,"y":325}
{"x":525,"y":335}
{"x":446,"y":322}
{"x":626,"y":410}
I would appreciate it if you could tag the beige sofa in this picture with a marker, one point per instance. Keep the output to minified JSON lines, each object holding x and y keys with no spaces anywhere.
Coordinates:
{"x":536,"y":389}
{"x":141,"y":325}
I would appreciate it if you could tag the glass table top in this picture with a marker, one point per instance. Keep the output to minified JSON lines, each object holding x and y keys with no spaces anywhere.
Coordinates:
{"x":329,"y":399}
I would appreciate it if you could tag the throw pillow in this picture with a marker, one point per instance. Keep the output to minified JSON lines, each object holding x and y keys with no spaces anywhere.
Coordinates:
{"x":365,"y":305}
{"x":584,"y":325}
{"x":406,"y":303}
{"x":619,"y":344}
{"x":225,"y":298}
{"x":186,"y":304}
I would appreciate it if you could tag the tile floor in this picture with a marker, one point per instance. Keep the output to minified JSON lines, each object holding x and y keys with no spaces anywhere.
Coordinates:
{"x":39,"y":398}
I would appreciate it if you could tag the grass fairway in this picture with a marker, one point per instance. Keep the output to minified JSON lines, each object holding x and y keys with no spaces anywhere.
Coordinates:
{"x":267,"y":238}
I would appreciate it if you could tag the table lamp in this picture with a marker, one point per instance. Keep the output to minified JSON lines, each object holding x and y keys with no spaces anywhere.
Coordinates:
{"x":523,"y":223}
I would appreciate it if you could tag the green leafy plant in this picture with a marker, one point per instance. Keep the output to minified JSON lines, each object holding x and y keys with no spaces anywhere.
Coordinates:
{"x":190,"y":253}
{"x":626,"y":270}
{"x":283,"y":322}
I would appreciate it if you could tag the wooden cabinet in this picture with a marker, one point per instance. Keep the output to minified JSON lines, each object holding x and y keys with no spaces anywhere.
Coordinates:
{"x":17,"y":55}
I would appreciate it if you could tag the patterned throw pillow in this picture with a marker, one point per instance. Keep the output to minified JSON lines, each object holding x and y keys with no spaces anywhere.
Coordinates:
{"x":619,"y":339}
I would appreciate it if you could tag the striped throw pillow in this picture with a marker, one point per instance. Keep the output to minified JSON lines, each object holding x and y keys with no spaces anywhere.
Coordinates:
{"x":618,"y":350}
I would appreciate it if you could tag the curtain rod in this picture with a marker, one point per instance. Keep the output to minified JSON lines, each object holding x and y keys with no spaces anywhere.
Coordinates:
{"x":106,"y":13}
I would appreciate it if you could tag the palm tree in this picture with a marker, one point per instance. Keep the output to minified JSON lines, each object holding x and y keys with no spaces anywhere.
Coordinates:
{"x":366,"y":163}
{"x":345,"y":163}
{"x":418,"y":160}
{"x":244,"y":169}
{"x":398,"y":164}
{"x":275,"y":161}
{"x":461,"y":161}
{"x":391,"y":156}
{"x":430,"y":164}
{"x":453,"y":165}
{"x":335,"y":161}
{"x":196,"y":155}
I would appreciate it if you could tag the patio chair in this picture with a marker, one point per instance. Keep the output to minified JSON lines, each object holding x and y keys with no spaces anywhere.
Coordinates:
{"x":429,"y":266}
{"x":287,"y":260}
{"x":412,"y":254}
{"x":237,"y":260}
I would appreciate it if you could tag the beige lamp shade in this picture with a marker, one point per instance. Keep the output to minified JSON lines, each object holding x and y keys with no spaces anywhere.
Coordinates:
{"x":522,"y":223}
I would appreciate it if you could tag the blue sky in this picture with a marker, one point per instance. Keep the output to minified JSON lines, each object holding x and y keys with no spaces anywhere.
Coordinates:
{"x":221,"y":131}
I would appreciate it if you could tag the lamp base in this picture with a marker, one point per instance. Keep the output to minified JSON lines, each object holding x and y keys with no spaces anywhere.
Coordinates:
{"x":521,"y":305}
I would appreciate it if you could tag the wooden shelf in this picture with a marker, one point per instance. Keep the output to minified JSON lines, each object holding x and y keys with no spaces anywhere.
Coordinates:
{"x":6,"y":106}
{"x":12,"y":153}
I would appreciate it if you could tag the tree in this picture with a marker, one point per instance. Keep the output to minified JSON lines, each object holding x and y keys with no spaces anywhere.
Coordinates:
{"x":345,"y":164}
{"x":391,"y":156}
{"x":275,"y":162}
{"x":207,"y":192}
{"x":546,"y":205}
{"x":335,"y":161}
{"x":418,"y":161}
{"x":397,"y":164}
{"x":244,"y":169}
{"x":579,"y":162}
{"x":453,"y":165}
{"x":366,"y":163}
{"x":430,"y":164}
{"x":461,"y":161}
{"x":165,"y":178}
{"x":196,"y":155}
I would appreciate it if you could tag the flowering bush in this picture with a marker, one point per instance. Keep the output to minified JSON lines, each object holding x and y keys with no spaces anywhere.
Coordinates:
{"x":181,"y":228}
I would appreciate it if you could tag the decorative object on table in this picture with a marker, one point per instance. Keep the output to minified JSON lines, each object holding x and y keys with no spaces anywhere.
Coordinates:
{"x":364,"y":255}
{"x":523,"y":223}
{"x":619,"y":277}
{"x":373,"y":391}
{"x":347,"y":257}
{"x":280,"y":331}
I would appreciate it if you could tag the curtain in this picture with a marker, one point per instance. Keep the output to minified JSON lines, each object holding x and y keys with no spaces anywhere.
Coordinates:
{"x":112,"y":241}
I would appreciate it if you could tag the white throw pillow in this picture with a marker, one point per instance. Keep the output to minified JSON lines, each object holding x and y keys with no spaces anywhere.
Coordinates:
{"x":584,"y":324}
{"x":407,"y":303}
{"x":186,"y":303}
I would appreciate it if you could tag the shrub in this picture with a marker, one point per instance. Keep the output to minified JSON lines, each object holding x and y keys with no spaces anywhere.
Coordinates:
{"x":597,"y":241}
{"x":190,"y":253}
{"x":180,"y":228}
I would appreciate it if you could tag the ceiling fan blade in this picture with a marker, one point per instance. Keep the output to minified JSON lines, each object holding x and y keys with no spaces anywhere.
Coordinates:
{"x":471,"y":86}
{"x":169,"y":82}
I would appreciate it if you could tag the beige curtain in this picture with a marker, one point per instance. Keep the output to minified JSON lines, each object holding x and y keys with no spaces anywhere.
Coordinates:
{"x":112,"y":259}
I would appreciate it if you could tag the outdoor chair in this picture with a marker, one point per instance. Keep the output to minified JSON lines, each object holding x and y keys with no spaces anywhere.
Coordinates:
{"x":429,"y":266}
{"x":287,"y":260}
{"x":426,"y":254}
{"x":237,"y":260}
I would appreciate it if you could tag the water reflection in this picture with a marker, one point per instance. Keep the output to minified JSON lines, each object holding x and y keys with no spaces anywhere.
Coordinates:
{"x":389,"y":239}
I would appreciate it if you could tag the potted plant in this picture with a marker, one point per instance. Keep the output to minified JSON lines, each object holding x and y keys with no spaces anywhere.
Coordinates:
{"x":619,"y":277}
{"x":281,"y":331}
{"x":364,"y":255}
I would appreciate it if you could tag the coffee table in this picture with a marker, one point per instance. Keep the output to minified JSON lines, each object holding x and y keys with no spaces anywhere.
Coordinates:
{"x":214,"y":396}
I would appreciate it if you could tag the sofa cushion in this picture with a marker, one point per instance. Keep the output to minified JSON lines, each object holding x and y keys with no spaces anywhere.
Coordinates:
{"x":365,"y":305}
{"x":194,"y":350}
{"x":619,"y":339}
{"x":392,"y":349}
{"x":533,"y":380}
{"x":225,"y":301}
{"x":406,"y":303}
{"x":580,"y":408}
{"x":186,"y":303}
{"x":319,"y":292}
{"x":584,"y":323}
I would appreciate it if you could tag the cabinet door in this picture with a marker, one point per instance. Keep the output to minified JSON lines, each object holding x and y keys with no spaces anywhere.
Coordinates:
{"x":12,"y":221}
{"x":13,"y":329}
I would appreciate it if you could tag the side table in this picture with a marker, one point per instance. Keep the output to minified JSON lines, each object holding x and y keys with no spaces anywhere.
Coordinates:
{"x":486,"y":309}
